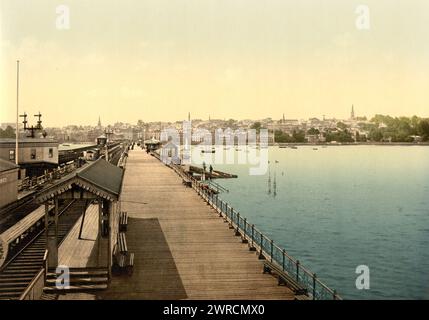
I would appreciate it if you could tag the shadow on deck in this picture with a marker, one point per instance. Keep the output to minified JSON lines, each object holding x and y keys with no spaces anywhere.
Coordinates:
{"x":155,"y":273}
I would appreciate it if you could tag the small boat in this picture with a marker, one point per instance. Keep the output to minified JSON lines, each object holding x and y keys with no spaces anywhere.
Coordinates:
{"x":208,"y":151}
{"x":315,"y":149}
{"x":293,"y":147}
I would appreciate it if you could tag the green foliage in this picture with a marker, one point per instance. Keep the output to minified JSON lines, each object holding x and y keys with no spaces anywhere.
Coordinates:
{"x":282,"y":137}
{"x":9,"y":132}
{"x":313,"y":131}
{"x":398,"y":129}
{"x":256,"y":126}
{"x":339,"y":136}
{"x":341,"y":126}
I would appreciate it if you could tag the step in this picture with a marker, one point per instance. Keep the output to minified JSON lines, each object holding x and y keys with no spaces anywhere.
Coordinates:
{"x":28,"y":259}
{"x":83,"y":269}
{"x":13,"y":289}
{"x":15,"y":275}
{"x":34,"y":251}
{"x":81,"y":274}
{"x":31,"y":255}
{"x":48,"y":296}
{"x":17,"y":278}
{"x":80,"y":281}
{"x":27,"y":262}
{"x":9,"y":295}
{"x":13,"y":283}
{"x":80,"y":288}
{"x":21,"y":269}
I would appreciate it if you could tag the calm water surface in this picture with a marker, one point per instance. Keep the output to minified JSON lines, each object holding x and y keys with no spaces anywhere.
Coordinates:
{"x":342,"y":206}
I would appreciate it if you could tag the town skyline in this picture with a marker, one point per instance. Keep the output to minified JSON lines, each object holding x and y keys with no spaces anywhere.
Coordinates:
{"x":50,"y":124}
{"x":231,"y":59}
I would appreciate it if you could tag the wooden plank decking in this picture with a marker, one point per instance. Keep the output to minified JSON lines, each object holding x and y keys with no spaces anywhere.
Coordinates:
{"x":183,"y":250}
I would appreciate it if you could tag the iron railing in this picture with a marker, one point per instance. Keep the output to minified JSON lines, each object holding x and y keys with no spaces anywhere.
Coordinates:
{"x":266,"y":247}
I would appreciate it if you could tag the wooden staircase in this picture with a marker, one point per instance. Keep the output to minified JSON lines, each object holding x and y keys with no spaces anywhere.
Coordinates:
{"x":82,"y":280}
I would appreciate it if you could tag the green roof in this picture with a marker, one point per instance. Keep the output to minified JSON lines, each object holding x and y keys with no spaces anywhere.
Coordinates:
{"x":104,"y":175}
{"x":101,"y":178}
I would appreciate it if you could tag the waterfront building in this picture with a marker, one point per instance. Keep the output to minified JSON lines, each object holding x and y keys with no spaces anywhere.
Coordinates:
{"x":8,"y":182}
{"x":35,"y":155}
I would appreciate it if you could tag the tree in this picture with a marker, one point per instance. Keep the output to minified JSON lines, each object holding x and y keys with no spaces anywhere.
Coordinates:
{"x":375,"y":134}
{"x":313,"y":131}
{"x":257,"y":126}
{"x":423,"y":129}
{"x":299,"y":136}
{"x":341,"y":126}
{"x":282,"y":137}
{"x":9,"y":132}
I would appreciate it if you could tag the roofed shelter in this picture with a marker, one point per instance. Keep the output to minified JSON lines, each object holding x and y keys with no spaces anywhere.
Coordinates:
{"x":152,"y":144}
{"x":99,"y":182}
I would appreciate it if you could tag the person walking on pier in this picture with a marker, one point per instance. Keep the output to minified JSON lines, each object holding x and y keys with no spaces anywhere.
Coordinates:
{"x":211,"y":171}
{"x":204,"y":172}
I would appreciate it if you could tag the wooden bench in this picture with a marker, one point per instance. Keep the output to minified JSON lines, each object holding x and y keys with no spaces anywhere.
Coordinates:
{"x":123,"y":263}
{"x":284,"y":278}
{"x":186,"y":182}
{"x":123,"y":221}
{"x":130,"y":264}
{"x":122,"y":243}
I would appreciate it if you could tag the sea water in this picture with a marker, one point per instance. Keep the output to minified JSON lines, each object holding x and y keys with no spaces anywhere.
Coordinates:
{"x":339,"y":207}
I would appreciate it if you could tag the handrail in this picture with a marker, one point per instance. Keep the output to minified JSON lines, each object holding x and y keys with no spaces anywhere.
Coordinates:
{"x":317,"y":290}
{"x":217,"y":186}
{"x":40,"y":232}
{"x":30,"y":288}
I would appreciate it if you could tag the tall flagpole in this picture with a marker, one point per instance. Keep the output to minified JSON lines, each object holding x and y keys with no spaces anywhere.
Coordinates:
{"x":17,"y":113}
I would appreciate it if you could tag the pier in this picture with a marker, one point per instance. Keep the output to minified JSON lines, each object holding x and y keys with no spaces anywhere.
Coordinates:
{"x":143,"y":233}
{"x":183,"y":249}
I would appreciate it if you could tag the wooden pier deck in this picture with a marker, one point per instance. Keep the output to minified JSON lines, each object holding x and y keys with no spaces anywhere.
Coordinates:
{"x":183,"y":250}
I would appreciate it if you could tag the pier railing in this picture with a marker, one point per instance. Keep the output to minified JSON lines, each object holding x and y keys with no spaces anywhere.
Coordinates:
{"x":265,"y":246}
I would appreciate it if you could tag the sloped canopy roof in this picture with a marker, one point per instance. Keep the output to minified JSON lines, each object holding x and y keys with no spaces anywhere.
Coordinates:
{"x":7,"y":165}
{"x":152,"y":141}
{"x":100,"y":178}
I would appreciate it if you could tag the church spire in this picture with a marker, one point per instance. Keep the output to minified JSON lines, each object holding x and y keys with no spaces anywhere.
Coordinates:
{"x":99,"y":122}
{"x":352,"y":114}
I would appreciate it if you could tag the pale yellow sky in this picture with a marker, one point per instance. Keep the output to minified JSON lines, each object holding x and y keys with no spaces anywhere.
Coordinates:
{"x":159,"y":59}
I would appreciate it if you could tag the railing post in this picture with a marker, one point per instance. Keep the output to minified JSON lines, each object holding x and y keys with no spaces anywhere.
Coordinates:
{"x":245,"y":234}
{"x":252,"y":247}
{"x":314,"y":286}
{"x":272,"y":248}
{"x":232,"y":218}
{"x":283,"y":261}
{"x":261,"y":255}
{"x":237,"y":230}
{"x":335,"y":294}
{"x":297,"y":270}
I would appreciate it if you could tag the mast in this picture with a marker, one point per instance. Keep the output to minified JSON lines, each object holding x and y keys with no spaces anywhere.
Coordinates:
{"x":17,"y":112}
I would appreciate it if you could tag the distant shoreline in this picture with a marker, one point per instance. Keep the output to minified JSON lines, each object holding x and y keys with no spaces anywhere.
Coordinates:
{"x":353,"y":144}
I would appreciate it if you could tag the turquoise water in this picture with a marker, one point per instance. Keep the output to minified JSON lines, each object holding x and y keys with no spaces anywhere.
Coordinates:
{"x":342,"y":206}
